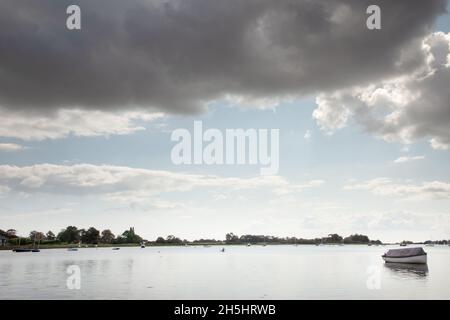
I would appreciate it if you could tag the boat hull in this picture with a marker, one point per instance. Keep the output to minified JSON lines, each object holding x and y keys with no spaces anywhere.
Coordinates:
{"x":422,"y":259}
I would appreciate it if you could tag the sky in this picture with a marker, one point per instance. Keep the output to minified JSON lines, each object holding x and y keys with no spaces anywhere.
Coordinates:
{"x":86,"y":117}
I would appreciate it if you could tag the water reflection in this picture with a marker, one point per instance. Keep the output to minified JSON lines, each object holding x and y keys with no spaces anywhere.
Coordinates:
{"x":408,"y":269}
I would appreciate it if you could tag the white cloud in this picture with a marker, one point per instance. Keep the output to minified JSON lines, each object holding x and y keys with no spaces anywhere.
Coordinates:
{"x":386,"y":187}
{"x":262,"y":103}
{"x":11,"y":147}
{"x":437,"y":144}
{"x":331,"y":114}
{"x":408,"y":159}
{"x":307,"y":135}
{"x":124,"y":184}
{"x":219,"y":196}
{"x":141,"y":198}
{"x":288,"y":188}
{"x":74,"y":122}
{"x":404,"y":109}
{"x":405,"y":149}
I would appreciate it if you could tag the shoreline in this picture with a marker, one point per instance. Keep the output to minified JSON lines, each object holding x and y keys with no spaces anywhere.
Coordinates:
{"x":123,"y":245}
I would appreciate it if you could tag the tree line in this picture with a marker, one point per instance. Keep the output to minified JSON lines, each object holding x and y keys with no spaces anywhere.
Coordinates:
{"x":72,"y":234}
{"x":232,"y":238}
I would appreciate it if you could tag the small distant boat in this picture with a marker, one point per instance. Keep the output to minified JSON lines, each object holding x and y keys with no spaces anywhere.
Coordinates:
{"x":72,"y":249}
{"x":430,"y":245}
{"x":26,"y":250}
{"x":410,"y":255}
{"x":116,"y":248}
{"x":223,"y":250}
{"x":142,"y":245}
{"x":403,"y":244}
{"x":248,"y":244}
{"x":369,"y":244}
{"x":22,"y":250}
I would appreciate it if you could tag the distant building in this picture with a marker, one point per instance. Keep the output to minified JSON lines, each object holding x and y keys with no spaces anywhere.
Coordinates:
{"x":3,"y":240}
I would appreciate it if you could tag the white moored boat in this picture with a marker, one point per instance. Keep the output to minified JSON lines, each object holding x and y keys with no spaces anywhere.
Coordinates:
{"x":410,"y":255}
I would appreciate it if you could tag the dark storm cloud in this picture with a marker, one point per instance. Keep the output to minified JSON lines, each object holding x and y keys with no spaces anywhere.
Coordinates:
{"x":405,"y":109}
{"x":177,"y":55}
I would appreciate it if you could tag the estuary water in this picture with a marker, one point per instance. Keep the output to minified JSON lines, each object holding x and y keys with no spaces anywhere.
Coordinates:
{"x":197,"y":272}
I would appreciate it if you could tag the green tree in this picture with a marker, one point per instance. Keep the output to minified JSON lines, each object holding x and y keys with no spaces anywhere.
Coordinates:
{"x":129,"y":236}
{"x":107,"y":236}
{"x":231,"y":238}
{"x":11,"y":233}
{"x":70,"y":235}
{"x":160,"y":240}
{"x":357,"y":238}
{"x":91,"y":235}
{"x":334,"y":238}
{"x":173,"y":240}
{"x":36,"y":235}
{"x":50,"y":236}
{"x":81,"y":235}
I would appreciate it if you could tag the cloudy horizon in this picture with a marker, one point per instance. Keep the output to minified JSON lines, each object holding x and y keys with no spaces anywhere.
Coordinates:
{"x":86,"y":117}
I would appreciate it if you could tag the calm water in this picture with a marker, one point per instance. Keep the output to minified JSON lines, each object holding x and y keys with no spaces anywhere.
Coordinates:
{"x":272,"y":272}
